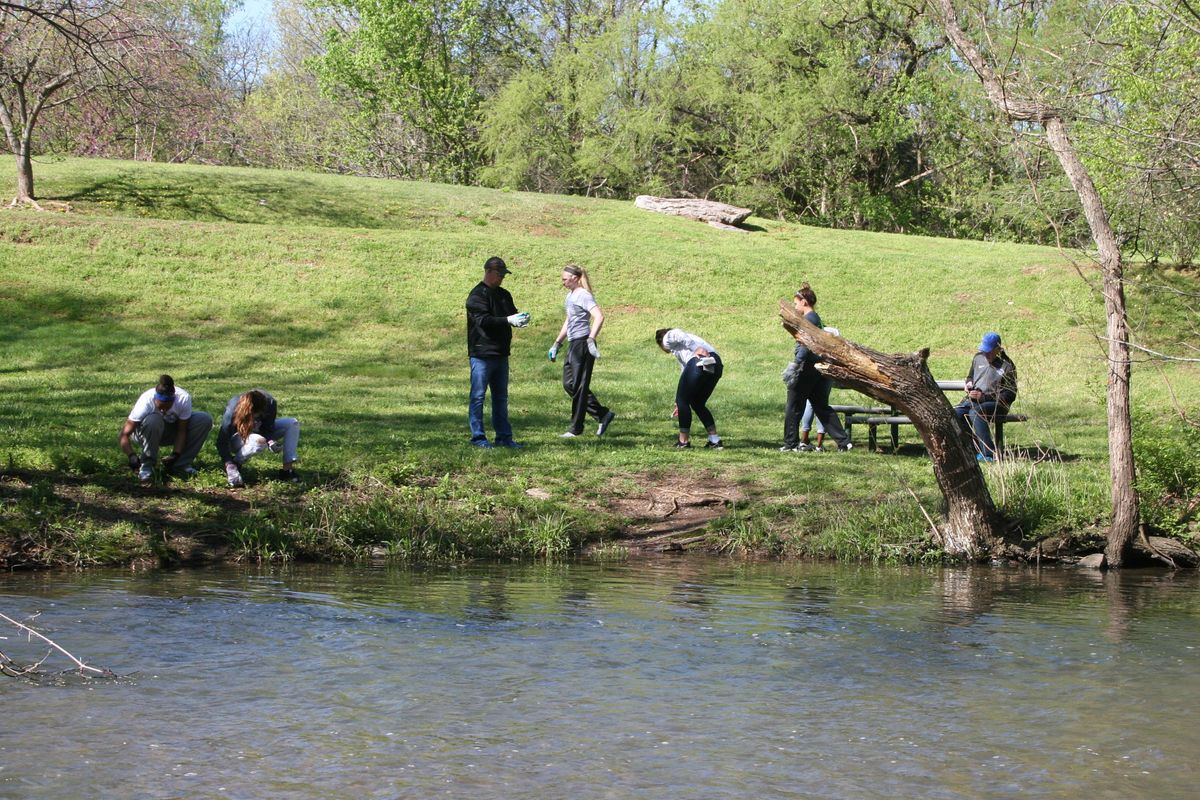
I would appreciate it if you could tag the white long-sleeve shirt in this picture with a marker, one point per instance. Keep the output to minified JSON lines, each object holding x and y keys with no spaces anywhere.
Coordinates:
{"x":684,"y":345}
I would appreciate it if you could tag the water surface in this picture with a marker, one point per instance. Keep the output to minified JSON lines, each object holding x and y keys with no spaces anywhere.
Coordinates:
{"x":680,"y":678}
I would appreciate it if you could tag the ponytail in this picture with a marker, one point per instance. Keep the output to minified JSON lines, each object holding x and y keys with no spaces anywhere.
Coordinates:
{"x":581,"y":273}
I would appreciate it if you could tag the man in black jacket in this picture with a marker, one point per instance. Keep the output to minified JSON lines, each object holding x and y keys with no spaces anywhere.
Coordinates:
{"x":491,"y":316}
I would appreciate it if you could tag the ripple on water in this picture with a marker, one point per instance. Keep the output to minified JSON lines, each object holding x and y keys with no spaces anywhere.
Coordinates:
{"x":681,"y":678}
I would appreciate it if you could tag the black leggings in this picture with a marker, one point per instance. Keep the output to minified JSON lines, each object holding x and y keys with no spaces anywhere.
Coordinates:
{"x":811,"y":387}
{"x":696,"y":385}
{"x":577,"y":382}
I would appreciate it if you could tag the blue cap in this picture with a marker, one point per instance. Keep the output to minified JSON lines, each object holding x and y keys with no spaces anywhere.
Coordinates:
{"x":991,"y":340}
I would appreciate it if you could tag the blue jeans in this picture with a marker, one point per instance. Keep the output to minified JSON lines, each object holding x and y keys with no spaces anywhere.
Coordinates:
{"x":976,"y":417}
{"x":489,"y":373}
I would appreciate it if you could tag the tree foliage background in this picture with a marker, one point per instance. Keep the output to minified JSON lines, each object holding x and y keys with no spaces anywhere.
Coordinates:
{"x":853,"y":114}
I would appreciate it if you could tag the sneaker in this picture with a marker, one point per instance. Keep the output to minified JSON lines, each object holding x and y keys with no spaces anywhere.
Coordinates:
{"x":234,"y":476}
{"x":818,"y":449}
{"x":714,"y":445}
{"x":187,"y":473}
{"x":787,"y":449}
{"x":605,"y":421}
{"x":805,"y":447}
{"x":567,"y":435}
{"x":846,"y":446}
{"x":511,"y":445}
{"x":682,"y":445}
{"x":482,"y":443}
{"x":981,"y":458}
{"x":146,"y":472}
{"x":288,"y":476}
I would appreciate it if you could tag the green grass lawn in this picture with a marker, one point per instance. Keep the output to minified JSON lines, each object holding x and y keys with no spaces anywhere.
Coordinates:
{"x":344,"y":298}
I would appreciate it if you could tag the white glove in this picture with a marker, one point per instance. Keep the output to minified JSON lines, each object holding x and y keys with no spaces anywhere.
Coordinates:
{"x":595,"y":351}
{"x":707,"y":361}
{"x":552,"y":353}
{"x":789,"y":373}
{"x":519,"y":320}
{"x":832,"y":330}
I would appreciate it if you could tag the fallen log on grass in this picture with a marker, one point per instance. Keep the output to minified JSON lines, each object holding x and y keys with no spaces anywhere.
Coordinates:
{"x":719,"y":215}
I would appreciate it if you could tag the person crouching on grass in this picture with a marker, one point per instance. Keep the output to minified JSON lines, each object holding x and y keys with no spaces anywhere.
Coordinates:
{"x":250,"y":425}
{"x":164,"y":413}
{"x":580,"y":329}
{"x":700,"y":370}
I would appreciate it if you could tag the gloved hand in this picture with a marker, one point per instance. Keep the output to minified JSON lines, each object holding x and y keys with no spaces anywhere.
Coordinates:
{"x":595,"y":351}
{"x":552,"y":353}
{"x":274,"y":446}
{"x":169,"y":461}
{"x":789,"y":373}
{"x":134,"y":462}
{"x":519,"y":320}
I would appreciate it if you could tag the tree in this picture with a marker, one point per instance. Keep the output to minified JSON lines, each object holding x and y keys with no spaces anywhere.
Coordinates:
{"x":972,"y":527}
{"x":55,"y":52}
{"x":1022,"y":104}
{"x":421,"y":60}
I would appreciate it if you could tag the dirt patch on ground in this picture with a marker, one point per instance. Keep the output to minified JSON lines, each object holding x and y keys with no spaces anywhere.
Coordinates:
{"x":669,"y":512}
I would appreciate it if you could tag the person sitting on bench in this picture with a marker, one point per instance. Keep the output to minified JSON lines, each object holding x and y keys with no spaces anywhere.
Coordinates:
{"x":991,"y":388}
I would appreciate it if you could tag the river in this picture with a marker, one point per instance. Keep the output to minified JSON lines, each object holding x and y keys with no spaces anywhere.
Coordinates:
{"x":674,"y":678}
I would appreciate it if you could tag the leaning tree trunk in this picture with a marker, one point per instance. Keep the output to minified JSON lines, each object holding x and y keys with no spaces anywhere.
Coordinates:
{"x":972,"y":526}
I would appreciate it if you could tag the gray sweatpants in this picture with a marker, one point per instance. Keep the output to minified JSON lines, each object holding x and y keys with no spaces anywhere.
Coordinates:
{"x":154,"y":430}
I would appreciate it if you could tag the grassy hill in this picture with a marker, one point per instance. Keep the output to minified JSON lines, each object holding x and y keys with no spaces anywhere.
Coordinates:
{"x":344,"y":298}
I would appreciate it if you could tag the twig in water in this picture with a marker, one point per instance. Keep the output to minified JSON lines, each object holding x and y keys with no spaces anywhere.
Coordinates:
{"x":82,"y":667}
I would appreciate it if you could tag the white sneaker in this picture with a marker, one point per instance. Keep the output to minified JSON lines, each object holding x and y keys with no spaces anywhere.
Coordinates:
{"x":233,"y":476}
{"x":567,"y":435}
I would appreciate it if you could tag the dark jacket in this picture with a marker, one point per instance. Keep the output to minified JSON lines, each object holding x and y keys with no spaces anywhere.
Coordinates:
{"x":264,"y":423}
{"x":806,"y":359}
{"x":488,"y":333}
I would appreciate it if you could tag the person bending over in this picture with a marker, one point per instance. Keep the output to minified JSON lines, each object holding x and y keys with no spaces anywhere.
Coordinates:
{"x":700,"y":371}
{"x":250,"y":426}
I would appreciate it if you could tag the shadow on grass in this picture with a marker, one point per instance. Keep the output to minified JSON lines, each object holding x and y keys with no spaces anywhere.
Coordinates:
{"x":222,"y":198}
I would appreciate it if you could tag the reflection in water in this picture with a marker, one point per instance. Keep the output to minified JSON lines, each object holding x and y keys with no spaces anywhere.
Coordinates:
{"x":681,"y":678}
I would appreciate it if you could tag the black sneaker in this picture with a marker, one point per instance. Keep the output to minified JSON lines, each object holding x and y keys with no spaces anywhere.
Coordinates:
{"x":714,"y":445}
{"x":682,"y":445}
{"x":605,"y":421}
{"x":804,"y":447}
{"x":288,"y":476}
{"x":846,"y":446}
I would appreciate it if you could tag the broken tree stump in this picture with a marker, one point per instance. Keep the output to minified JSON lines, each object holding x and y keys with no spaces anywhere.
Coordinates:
{"x":972,"y":527}
{"x":719,"y":215}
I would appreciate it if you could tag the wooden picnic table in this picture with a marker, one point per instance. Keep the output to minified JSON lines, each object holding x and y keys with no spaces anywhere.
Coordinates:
{"x":874,"y":416}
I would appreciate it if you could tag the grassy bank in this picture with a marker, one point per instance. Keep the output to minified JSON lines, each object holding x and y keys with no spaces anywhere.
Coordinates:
{"x":344,"y":298}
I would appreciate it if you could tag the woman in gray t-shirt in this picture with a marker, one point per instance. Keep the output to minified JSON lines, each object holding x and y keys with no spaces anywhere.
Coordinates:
{"x":580,"y":329}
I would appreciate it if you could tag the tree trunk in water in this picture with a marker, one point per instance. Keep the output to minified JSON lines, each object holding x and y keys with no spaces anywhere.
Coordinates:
{"x":972,"y":526}
{"x":1125,"y":510}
